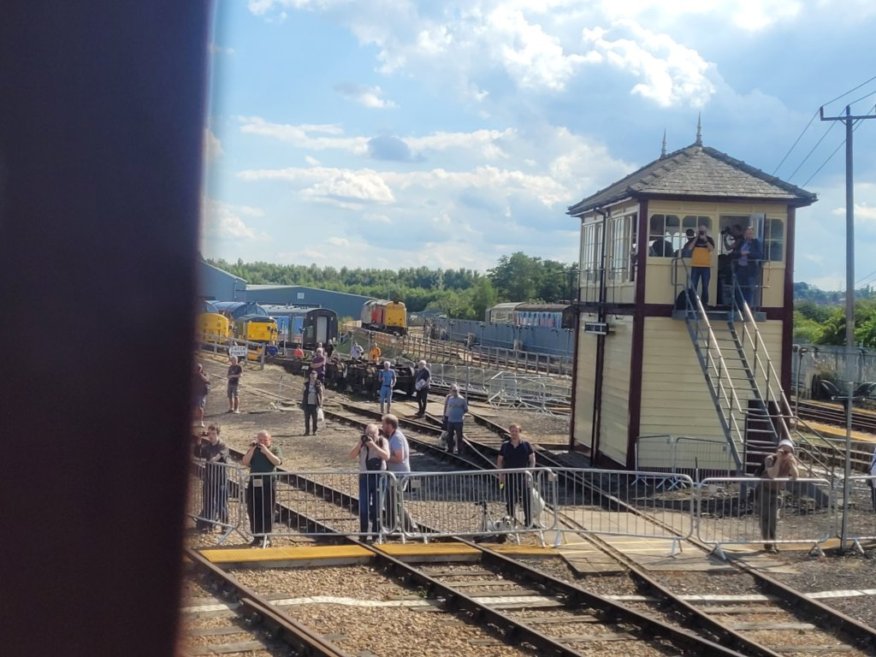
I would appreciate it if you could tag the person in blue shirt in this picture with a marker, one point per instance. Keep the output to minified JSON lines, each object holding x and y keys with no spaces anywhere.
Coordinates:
{"x":387,"y":379}
{"x":455,"y":408}
{"x":747,"y":254}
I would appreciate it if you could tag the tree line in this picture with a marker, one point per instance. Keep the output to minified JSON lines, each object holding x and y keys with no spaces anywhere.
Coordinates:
{"x":819,"y":317}
{"x":459,"y":293}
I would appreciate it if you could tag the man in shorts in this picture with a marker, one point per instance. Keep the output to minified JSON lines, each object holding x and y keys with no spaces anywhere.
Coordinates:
{"x":234,"y":373}
{"x":387,"y":379}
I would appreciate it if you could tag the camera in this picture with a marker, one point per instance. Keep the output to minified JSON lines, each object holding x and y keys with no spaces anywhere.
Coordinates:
{"x":364,"y":439}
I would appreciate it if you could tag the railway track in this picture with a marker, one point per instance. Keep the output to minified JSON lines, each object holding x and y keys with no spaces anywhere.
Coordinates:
{"x":754,"y":624}
{"x":513,"y":601}
{"x":228,"y":617}
{"x":833,"y":413}
{"x":769,"y":621}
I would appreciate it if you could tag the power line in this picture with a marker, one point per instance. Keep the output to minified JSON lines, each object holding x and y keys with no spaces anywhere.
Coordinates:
{"x":811,"y":151}
{"x":856,"y":124}
{"x":800,"y":136}
{"x":796,"y":141}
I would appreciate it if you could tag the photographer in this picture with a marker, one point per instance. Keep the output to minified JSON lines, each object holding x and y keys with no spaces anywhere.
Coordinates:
{"x":700,"y":247}
{"x":781,"y":465}
{"x":262,"y":459}
{"x":372,"y":450}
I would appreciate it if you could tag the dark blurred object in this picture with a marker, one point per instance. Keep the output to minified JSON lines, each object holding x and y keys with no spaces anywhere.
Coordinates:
{"x":101,"y":138}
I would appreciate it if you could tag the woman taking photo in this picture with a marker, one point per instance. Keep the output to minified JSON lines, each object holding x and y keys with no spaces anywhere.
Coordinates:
{"x":372,"y":450}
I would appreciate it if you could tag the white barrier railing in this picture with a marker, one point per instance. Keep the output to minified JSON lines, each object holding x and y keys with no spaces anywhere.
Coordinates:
{"x":684,"y":455}
{"x":749,"y":511}
{"x":622,"y":503}
{"x":861,"y":511}
{"x":216,"y":497}
{"x":560,"y":502}
{"x":475,"y":504}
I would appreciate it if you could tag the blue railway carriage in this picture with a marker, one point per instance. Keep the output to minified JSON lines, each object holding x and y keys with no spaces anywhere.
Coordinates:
{"x":304,"y":326}
{"x":545,"y":315}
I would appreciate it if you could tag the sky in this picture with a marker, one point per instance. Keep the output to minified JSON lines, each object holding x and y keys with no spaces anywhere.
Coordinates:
{"x":396,"y":133}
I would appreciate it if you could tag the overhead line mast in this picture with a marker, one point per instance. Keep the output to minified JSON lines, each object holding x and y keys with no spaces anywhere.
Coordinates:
{"x":848,"y":119}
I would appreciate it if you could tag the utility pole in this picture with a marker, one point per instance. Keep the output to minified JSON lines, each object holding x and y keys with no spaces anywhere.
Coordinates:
{"x":848,"y":120}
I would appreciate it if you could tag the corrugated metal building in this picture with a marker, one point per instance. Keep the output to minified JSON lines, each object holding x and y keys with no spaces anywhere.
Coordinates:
{"x":218,"y":285}
{"x":344,"y":304}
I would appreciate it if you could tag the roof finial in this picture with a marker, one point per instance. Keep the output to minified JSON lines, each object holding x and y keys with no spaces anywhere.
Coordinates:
{"x":699,"y":141}
{"x":663,"y":147}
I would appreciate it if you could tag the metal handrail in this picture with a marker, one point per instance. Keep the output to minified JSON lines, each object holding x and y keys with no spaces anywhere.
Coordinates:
{"x":785,"y":408}
{"x":724,"y":392}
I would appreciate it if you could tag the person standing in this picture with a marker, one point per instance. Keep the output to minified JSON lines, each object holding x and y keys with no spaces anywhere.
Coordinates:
{"x":399,"y":462}
{"x":375,"y":353}
{"x":701,"y":246}
{"x":514,"y":454}
{"x":311,"y":402}
{"x":387,"y":379}
{"x":235,"y":371}
{"x":455,"y":408}
{"x":214,"y":496}
{"x":317,"y":364}
{"x":356,"y":351}
{"x":200,"y":389}
{"x":781,"y":465}
{"x":372,"y":451}
{"x":298,"y":352}
{"x":747,"y":254}
{"x":422,"y":383}
{"x":262,"y":459}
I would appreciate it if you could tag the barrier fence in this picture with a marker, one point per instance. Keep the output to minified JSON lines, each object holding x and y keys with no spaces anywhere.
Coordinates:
{"x":556,"y":505}
{"x":750,"y":511}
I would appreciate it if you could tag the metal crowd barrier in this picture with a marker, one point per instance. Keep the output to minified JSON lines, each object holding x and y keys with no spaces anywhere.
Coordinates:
{"x":621,"y":503}
{"x":216,"y":497}
{"x":684,"y":455}
{"x":750,"y":511}
{"x":861,"y":518}
{"x":475,"y":504}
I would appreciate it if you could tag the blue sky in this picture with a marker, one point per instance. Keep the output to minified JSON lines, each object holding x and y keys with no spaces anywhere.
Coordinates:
{"x":394,"y":133}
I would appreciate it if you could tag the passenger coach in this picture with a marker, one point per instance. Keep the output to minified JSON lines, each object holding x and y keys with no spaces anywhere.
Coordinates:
{"x":304,"y":326}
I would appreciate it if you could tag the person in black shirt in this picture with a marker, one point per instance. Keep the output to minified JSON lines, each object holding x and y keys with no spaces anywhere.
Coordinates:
{"x":262,"y":459}
{"x":516,"y":453}
{"x":215,"y":484}
{"x":234,"y":373}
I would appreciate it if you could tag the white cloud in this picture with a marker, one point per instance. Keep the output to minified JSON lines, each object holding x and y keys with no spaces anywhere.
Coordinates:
{"x":747,"y":15}
{"x":226,"y":221}
{"x":310,"y":136}
{"x":863,"y":212}
{"x":669,"y":73}
{"x":338,"y":241}
{"x":325,"y":183}
{"x":371,"y":97}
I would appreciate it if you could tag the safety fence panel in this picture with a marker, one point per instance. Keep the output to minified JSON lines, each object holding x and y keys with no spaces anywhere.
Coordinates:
{"x":861,"y":518}
{"x":296,"y":504}
{"x":695,"y":457}
{"x":476,"y":504}
{"x":215,"y":500}
{"x":621,"y":502}
{"x":750,"y":511}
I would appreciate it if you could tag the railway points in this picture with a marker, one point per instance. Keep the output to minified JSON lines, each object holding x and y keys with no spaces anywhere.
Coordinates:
{"x":651,"y":555}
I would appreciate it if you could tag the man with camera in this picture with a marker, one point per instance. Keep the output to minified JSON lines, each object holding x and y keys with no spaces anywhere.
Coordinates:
{"x":700,"y":248}
{"x":372,"y":450}
{"x":262,"y":459}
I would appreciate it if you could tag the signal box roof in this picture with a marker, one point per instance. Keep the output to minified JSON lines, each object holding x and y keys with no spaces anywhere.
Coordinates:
{"x":698,"y":172}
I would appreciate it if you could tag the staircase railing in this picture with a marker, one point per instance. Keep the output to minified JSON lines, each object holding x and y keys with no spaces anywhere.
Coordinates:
{"x":714,"y":366}
{"x":762,"y":368}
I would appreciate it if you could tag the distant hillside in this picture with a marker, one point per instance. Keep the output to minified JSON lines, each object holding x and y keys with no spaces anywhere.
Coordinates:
{"x":804,"y":292}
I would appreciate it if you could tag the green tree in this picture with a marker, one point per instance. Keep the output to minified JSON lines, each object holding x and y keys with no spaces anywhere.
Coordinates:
{"x":483,"y":296}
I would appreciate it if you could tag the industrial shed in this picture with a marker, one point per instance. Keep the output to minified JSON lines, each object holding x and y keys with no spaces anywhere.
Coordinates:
{"x":344,"y":304}
{"x":218,"y":285}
